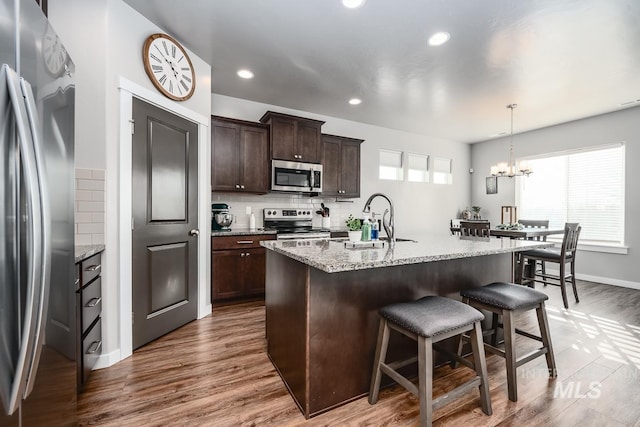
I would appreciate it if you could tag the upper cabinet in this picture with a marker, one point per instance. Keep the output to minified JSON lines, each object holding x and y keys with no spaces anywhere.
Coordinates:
{"x":294,"y":138}
{"x":239,"y":156}
{"x":340,"y":166}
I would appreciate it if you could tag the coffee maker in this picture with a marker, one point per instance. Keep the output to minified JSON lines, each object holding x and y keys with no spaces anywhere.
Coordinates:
{"x":221,"y":219}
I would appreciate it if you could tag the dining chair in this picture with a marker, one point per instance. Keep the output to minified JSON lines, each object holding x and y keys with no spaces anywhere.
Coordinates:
{"x":537,"y":223}
{"x":564,"y":255}
{"x":454,"y":226}
{"x":475,"y":228}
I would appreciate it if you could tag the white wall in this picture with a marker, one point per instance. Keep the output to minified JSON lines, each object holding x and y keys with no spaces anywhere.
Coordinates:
{"x":418,"y":207}
{"x":609,"y":128}
{"x":105,"y":40}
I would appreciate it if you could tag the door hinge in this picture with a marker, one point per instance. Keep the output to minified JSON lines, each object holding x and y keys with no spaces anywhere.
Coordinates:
{"x":133,"y":318}
{"x":133,"y":223}
{"x":133,"y":126}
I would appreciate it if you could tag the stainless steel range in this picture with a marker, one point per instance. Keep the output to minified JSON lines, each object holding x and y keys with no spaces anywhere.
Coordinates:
{"x":293,"y":224}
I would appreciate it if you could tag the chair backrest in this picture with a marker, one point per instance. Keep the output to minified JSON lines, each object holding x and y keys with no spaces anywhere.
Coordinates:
{"x":475,"y":228}
{"x":536,"y":223}
{"x":570,"y":240}
{"x":454,"y":226}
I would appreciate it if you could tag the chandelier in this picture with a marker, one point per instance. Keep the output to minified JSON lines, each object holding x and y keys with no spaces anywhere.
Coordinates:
{"x":511,"y":169}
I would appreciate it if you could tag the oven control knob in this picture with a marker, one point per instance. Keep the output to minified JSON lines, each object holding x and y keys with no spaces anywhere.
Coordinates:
{"x":299,"y":213}
{"x":308,"y":212}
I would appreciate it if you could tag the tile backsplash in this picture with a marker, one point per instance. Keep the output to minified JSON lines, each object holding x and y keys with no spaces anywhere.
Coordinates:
{"x":238,"y":204}
{"x":90,"y":206}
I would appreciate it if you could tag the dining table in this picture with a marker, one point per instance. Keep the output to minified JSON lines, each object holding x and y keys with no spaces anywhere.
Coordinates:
{"x":525,"y":233}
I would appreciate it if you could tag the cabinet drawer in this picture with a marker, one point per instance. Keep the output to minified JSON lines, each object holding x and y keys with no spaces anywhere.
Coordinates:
{"x":91,"y":349}
{"x":90,"y":268}
{"x":91,"y":303}
{"x":239,"y":242}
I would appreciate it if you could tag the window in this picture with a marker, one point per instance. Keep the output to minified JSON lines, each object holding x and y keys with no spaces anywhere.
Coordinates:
{"x":442,"y":171}
{"x":418,"y":168}
{"x":391,"y":165}
{"x":585,"y":186}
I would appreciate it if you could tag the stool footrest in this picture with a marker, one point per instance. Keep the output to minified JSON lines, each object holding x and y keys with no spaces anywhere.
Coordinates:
{"x":403,"y":381}
{"x":528,"y":335}
{"x":530,"y":356}
{"x":456,"y":393}
{"x":402,"y":363}
{"x":453,"y":355}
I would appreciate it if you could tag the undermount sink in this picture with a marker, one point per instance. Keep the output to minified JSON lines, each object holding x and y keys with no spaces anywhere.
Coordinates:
{"x":399,"y":239}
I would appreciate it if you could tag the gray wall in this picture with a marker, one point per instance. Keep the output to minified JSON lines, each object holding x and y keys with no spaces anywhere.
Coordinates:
{"x":624,"y":125}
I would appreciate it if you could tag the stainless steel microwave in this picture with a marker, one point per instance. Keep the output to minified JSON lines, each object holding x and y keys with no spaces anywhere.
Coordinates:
{"x":296,"y":177}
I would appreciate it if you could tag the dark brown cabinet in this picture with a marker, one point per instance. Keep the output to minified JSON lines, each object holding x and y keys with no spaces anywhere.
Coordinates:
{"x":294,"y":138}
{"x":237,"y":266}
{"x":239,"y":156}
{"x":340,"y":166}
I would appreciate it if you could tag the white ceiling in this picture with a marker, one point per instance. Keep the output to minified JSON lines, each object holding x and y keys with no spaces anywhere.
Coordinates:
{"x":559,"y":60}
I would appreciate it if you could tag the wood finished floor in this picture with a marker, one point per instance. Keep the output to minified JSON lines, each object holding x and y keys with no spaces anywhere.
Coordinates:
{"x":215,"y":372}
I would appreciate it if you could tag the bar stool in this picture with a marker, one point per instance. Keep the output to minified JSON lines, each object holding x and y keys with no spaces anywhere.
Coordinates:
{"x":505,"y":299}
{"x":430,"y":320}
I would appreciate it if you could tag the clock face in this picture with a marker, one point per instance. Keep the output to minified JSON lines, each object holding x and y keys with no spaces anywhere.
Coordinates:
{"x":53,"y":52}
{"x":169,"y":67}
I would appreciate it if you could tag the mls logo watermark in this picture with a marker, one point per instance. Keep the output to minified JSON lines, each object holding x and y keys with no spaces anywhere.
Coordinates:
{"x":577,"y":390}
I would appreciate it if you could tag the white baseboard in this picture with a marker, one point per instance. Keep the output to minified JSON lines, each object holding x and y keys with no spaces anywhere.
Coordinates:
{"x":108,"y":359}
{"x":605,"y":280}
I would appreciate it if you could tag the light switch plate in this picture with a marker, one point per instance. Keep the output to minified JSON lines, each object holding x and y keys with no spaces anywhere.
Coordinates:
{"x":248,"y":210}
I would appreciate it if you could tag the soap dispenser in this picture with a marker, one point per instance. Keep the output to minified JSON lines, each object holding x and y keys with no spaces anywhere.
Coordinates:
{"x":374,"y":227}
{"x":366,"y":230}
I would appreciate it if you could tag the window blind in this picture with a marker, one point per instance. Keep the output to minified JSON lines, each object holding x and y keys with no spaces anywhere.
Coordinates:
{"x":418,"y":167}
{"x":585,"y":187}
{"x":441,"y":171}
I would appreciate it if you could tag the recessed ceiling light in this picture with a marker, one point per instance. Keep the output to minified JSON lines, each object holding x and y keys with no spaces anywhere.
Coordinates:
{"x":353,"y":4}
{"x":439,"y":38}
{"x":245,"y":74}
{"x":355,"y":101}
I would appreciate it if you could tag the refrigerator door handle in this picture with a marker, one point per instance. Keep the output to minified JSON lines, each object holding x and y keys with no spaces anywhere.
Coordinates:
{"x":45,"y":232}
{"x":33,"y":237}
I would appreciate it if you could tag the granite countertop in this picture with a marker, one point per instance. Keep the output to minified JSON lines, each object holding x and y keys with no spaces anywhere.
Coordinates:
{"x":241,"y":232}
{"x":85,"y":251}
{"x":331,"y":256}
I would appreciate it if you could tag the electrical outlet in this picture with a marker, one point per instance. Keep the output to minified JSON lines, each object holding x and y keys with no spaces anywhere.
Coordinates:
{"x":248,"y":210}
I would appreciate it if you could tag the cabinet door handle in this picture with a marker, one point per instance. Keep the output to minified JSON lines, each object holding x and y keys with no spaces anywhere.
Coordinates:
{"x":95,"y":347}
{"x":237,"y":186}
{"x":248,"y":254}
{"x":242,"y":254}
{"x":93,"y":302}
{"x":242,"y":186}
{"x":244,"y":242}
{"x":93,"y":267}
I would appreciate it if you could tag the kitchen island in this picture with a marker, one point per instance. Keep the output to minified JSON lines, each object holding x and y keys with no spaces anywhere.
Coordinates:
{"x":322,"y":301}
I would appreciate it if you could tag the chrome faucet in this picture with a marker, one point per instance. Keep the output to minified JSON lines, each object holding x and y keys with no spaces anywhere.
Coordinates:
{"x":389,"y":226}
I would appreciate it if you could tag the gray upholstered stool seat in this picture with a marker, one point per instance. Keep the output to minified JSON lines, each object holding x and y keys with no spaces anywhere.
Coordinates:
{"x":431,"y":316}
{"x":430,"y":320}
{"x":505,"y":295}
{"x":505,"y":299}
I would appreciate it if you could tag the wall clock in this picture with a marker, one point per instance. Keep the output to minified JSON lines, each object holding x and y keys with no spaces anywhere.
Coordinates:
{"x":169,"y":67}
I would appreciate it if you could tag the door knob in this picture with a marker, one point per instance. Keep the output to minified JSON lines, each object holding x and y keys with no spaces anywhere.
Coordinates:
{"x":195,"y":232}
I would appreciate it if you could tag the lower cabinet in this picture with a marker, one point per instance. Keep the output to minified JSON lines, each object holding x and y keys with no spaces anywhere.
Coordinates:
{"x":237,"y":266}
{"x":89,"y":300}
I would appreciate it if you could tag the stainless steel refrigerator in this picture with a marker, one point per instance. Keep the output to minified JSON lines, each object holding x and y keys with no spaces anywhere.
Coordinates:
{"x":37,"y":290}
